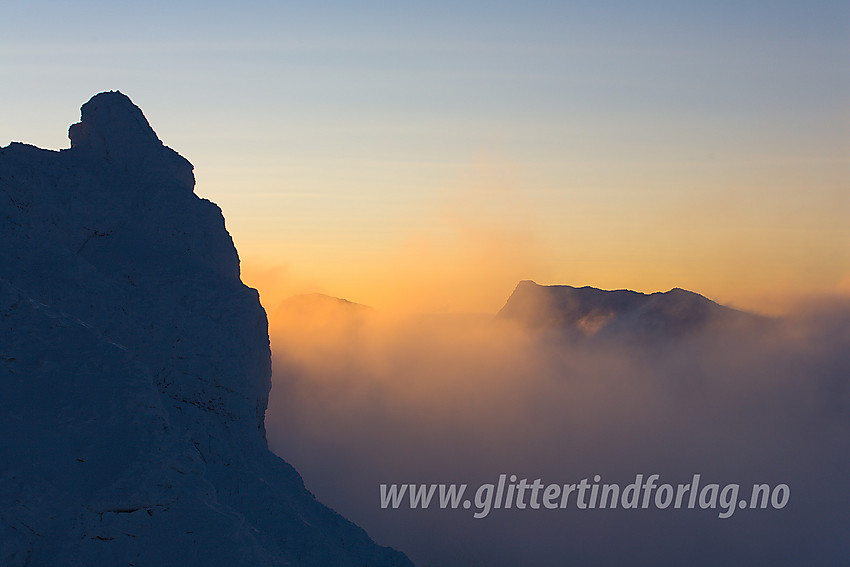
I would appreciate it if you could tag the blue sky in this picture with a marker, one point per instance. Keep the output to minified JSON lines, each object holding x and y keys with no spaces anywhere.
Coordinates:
{"x":610,"y":144}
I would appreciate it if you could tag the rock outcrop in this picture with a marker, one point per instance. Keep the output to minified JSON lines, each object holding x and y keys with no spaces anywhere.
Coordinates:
{"x":135,"y":370}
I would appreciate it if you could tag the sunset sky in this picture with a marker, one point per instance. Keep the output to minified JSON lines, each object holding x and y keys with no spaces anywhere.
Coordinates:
{"x":431,"y":155}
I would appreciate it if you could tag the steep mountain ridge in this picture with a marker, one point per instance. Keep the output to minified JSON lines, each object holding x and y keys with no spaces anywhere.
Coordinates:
{"x":135,"y":370}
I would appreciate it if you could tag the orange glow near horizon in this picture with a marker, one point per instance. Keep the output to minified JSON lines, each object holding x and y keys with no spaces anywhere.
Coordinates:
{"x":479,"y":275}
{"x":753,"y":231}
{"x":465,"y":249}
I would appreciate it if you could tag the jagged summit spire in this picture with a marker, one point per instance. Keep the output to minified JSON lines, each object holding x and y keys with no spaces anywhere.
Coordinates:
{"x":111,"y":122}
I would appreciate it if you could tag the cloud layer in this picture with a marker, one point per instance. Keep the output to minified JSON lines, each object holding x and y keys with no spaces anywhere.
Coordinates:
{"x":361,"y":399}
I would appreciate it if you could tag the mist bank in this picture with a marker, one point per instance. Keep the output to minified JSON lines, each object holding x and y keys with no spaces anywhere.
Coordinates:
{"x":361,"y":398}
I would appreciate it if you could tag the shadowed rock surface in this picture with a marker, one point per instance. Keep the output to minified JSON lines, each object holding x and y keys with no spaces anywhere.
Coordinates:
{"x":135,"y":370}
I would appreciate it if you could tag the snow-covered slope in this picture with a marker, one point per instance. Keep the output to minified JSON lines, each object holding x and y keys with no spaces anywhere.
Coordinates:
{"x":135,"y":370}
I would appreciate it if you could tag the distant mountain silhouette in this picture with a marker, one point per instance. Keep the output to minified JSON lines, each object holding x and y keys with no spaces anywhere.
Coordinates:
{"x":309,"y":303}
{"x":319,"y":313}
{"x":591,"y":312}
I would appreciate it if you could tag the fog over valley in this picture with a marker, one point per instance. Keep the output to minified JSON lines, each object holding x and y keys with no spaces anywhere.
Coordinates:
{"x":670,"y":384}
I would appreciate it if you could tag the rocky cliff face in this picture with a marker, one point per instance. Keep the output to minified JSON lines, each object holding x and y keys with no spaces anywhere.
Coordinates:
{"x":135,"y":370}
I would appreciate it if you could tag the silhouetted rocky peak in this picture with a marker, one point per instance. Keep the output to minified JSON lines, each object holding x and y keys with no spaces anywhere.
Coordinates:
{"x":588,"y":311}
{"x":135,"y":370}
{"x":111,"y":120}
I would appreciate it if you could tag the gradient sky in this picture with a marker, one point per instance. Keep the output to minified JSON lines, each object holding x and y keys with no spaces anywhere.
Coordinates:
{"x":433,"y":154}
